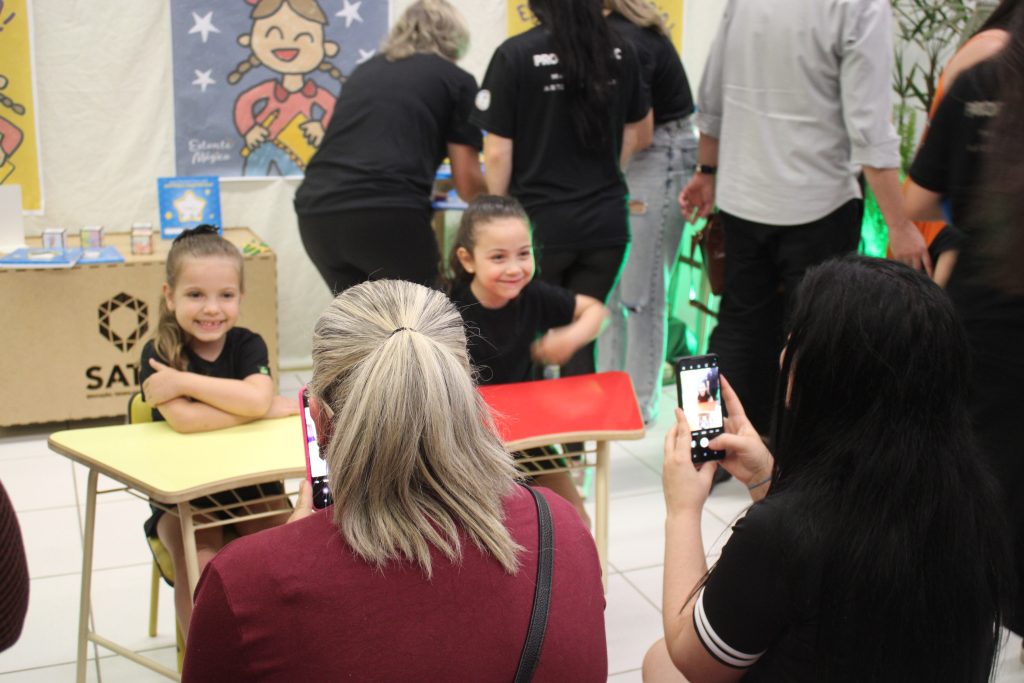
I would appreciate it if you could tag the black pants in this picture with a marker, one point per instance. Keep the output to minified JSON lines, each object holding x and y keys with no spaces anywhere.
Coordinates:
{"x":592,"y":272}
{"x":763,"y":266}
{"x":349,"y":247}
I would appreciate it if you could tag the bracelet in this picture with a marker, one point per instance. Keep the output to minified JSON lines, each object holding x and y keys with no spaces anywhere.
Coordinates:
{"x":760,"y":483}
{"x":707,"y":169}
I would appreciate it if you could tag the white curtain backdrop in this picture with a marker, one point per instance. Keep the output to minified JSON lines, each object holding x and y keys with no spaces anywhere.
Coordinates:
{"x":103,"y":73}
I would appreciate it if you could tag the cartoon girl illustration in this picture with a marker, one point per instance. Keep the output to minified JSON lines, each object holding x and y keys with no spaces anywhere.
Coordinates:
{"x":10,"y":135}
{"x":283,"y":119}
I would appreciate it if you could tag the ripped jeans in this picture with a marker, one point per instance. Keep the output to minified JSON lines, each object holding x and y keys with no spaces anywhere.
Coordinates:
{"x":636,"y":337}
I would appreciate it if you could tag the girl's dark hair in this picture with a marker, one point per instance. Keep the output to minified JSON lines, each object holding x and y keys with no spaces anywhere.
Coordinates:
{"x":584,"y":45}
{"x":873,"y":445}
{"x":483,"y":209}
{"x":1001,"y":198}
{"x":1002,"y":16}
{"x":170,"y":340}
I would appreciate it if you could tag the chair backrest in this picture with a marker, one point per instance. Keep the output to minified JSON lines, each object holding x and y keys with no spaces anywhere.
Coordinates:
{"x":138,"y":410}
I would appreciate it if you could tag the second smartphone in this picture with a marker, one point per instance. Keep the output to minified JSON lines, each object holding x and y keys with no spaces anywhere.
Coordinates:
{"x":316,"y":466}
{"x":699,"y":390}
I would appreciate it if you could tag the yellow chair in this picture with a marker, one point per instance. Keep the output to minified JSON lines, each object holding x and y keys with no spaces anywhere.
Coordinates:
{"x":138,"y":412}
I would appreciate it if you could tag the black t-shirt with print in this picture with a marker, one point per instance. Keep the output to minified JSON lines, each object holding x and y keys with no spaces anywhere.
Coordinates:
{"x":499,"y":339}
{"x":575,"y":195}
{"x":244,"y":353}
{"x":661,"y":71}
{"x":950,"y":162}
{"x":389,"y":133}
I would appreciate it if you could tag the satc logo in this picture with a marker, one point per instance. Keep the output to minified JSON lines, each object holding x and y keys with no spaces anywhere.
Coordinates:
{"x":138,"y":331}
{"x":124,"y":330}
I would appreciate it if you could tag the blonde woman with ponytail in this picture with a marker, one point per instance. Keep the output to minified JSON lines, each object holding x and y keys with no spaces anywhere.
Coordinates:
{"x":425,"y":567}
{"x":200,"y":372}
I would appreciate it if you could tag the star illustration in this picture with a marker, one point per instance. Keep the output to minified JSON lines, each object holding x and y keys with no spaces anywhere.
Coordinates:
{"x":364,"y":55}
{"x":204,"y":25}
{"x":189,"y":207}
{"x":351,"y":12}
{"x":203,"y":79}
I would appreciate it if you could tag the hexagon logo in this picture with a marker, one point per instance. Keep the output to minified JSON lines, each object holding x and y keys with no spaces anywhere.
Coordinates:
{"x":124,"y":343}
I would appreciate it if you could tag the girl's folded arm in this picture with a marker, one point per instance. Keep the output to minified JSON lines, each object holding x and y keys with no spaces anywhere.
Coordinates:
{"x":250,"y":397}
{"x":189,"y":417}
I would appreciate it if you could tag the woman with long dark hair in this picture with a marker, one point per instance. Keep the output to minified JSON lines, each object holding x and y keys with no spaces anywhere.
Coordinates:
{"x":635,"y":341}
{"x":971,"y":162}
{"x":561,"y":104}
{"x":874,"y":549}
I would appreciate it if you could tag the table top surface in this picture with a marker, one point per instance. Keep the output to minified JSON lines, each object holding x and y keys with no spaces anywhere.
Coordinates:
{"x":171,"y":467}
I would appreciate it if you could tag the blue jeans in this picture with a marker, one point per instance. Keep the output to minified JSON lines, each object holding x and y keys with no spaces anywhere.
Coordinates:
{"x":267,"y":156}
{"x":636,"y":337}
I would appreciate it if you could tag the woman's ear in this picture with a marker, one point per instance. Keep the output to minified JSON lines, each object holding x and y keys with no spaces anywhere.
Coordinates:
{"x":322,"y":420}
{"x":466,"y":259}
{"x":331,"y":48}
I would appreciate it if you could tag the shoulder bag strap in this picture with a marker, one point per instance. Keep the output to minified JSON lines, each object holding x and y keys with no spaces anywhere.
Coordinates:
{"x":542,"y":595}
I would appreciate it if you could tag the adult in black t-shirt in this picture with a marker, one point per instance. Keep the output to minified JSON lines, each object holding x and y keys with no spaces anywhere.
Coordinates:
{"x":557,"y":102}
{"x":364,"y":206}
{"x":845,"y":568}
{"x":635,"y":340}
{"x":951,"y":169}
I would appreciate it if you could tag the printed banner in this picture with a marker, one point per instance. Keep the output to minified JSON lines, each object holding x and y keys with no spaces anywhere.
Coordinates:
{"x":19,"y":138}
{"x":520,"y":18}
{"x":255,"y":81}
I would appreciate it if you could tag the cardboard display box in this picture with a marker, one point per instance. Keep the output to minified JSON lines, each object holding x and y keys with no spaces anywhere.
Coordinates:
{"x":71,"y":339}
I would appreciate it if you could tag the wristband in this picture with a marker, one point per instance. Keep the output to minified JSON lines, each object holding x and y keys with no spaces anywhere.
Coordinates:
{"x":760,"y":483}
{"x":706,"y":169}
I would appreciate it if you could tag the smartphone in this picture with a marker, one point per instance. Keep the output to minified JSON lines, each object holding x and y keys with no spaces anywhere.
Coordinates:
{"x":699,"y":390}
{"x":316,"y":466}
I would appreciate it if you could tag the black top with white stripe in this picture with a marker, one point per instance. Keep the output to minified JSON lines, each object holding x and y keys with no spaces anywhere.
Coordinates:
{"x":758,"y":608}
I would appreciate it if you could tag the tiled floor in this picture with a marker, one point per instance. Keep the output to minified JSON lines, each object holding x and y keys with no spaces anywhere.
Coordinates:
{"x":48,"y":493}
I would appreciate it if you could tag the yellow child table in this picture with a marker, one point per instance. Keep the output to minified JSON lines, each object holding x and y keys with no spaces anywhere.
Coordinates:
{"x":152,"y":460}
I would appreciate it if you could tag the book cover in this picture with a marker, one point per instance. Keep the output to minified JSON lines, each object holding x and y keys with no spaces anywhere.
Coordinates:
{"x":187,"y":202}
{"x":93,"y":255}
{"x":34,"y":257}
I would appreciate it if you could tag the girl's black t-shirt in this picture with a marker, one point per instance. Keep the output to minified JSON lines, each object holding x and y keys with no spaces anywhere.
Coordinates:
{"x":244,"y":353}
{"x":499,"y":339}
{"x":575,"y":195}
{"x":661,"y":71}
{"x":389,"y":133}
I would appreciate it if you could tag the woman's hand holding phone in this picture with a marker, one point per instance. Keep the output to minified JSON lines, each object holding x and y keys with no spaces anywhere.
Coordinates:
{"x":686,"y":486}
{"x":304,"y":505}
{"x":746,"y":456}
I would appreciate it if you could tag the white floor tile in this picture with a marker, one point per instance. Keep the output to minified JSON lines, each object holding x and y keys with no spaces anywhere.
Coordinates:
{"x":24,"y":442}
{"x":636,"y":535}
{"x":81,"y":477}
{"x":648,"y":582}
{"x":728,"y":501}
{"x":629,"y":476}
{"x":40,"y":480}
{"x":119,"y":539}
{"x":53,"y":543}
{"x":50,"y":634}
{"x":49,"y":674}
{"x":121,"y":609}
{"x":120,"y":670}
{"x":633,"y":676}
{"x":631,"y":626}
{"x":1011,"y":669}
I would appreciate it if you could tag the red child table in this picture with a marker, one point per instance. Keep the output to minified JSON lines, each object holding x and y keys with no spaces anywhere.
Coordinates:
{"x":600,"y":407}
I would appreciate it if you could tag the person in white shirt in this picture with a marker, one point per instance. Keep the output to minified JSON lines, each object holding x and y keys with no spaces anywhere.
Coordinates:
{"x":793,"y":105}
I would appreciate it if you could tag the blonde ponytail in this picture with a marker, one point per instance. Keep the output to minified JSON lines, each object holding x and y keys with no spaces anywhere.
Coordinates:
{"x":414,"y":457}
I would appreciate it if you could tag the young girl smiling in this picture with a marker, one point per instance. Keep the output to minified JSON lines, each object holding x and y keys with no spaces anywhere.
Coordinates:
{"x":201,"y":373}
{"x":516,"y":322}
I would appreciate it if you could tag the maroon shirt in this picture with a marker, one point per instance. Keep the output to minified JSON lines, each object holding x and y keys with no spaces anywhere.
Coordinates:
{"x":295,"y":604}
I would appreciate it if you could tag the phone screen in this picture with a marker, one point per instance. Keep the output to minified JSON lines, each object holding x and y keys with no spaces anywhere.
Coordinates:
{"x":316,"y":466}
{"x":699,"y":390}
